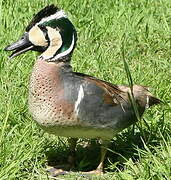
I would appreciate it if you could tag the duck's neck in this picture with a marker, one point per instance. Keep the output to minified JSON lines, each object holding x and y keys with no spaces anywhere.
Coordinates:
{"x":46,"y":67}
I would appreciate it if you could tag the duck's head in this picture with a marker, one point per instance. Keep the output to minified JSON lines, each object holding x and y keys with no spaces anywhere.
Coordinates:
{"x":51,"y":33}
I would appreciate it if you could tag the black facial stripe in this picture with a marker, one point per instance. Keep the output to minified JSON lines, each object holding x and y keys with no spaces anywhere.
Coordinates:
{"x":44,"y":30}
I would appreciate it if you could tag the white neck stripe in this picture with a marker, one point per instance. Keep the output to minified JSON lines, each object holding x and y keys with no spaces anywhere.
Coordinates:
{"x":67,"y":51}
{"x":57,"y":15}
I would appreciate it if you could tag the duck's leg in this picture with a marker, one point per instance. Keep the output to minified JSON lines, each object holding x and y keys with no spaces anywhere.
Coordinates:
{"x":55,"y":171}
{"x":103,"y":152}
{"x":99,"y":169}
{"x":72,"y":146}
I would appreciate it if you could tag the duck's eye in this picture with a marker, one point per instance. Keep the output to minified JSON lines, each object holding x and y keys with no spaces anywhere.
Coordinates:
{"x":45,"y":32}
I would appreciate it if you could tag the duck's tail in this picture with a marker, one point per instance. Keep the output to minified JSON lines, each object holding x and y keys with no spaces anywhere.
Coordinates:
{"x":153,"y":101}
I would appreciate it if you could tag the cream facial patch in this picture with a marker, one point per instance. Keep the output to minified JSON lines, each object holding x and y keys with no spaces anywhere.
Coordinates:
{"x":37,"y":37}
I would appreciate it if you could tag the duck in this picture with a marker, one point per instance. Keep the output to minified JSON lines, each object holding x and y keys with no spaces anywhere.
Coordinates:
{"x":72,"y":104}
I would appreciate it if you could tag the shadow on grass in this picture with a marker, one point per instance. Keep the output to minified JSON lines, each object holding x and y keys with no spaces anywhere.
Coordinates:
{"x":125,"y":146}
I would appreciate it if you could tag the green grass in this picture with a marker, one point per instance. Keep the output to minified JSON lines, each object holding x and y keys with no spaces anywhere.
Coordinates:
{"x":144,"y":29}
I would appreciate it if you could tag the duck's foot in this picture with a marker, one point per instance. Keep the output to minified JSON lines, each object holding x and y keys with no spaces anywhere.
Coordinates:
{"x":54,"y":171}
{"x":94,"y":172}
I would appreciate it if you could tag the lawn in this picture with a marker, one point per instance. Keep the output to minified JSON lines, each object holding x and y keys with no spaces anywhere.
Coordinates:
{"x":142,"y":29}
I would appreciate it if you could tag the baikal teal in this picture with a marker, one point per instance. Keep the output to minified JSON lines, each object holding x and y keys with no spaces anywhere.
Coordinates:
{"x":72,"y":104}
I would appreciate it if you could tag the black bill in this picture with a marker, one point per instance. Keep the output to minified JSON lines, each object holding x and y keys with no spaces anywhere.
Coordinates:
{"x":20,"y":46}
